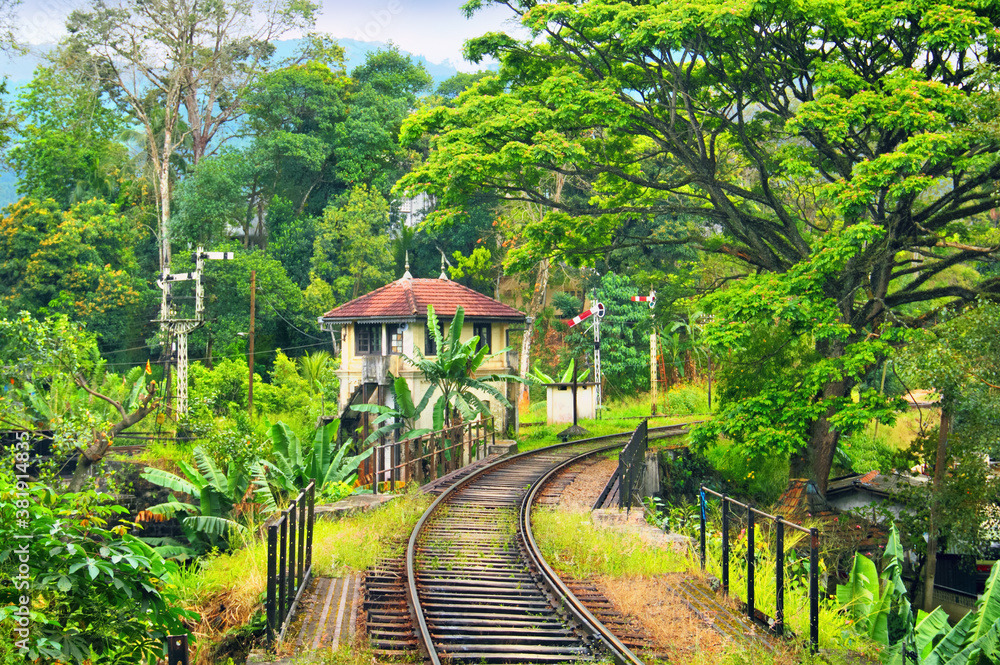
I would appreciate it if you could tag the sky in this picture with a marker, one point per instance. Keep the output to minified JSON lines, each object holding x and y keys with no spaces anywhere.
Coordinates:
{"x":435,"y":29}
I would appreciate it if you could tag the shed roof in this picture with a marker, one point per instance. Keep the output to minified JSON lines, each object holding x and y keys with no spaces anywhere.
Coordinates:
{"x":408,"y":298}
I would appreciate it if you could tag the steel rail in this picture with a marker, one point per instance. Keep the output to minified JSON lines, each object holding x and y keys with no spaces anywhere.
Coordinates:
{"x":622,"y":654}
{"x":424,"y":634}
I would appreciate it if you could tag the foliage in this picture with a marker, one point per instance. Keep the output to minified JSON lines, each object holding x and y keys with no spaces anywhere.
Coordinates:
{"x":781,"y":135}
{"x":539,"y":376}
{"x":221,"y":498}
{"x":212,"y":200}
{"x":960,"y":358}
{"x":66,"y":146}
{"x":80,"y":262}
{"x":879,"y":602}
{"x":291,"y":467}
{"x":624,"y":336}
{"x":870,"y":598}
{"x":351,"y":251}
{"x":763,"y":478}
{"x":95,"y":593}
{"x":453,"y":372}
{"x":237,"y":440}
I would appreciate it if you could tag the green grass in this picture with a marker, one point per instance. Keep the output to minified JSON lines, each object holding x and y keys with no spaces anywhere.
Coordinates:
{"x":161,"y":454}
{"x":619,"y":416}
{"x":574,"y":545}
{"x":357,"y":542}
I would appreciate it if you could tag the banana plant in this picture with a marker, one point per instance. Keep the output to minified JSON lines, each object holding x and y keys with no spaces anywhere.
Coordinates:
{"x":291,"y":468}
{"x":217,"y":494}
{"x":871,"y":598}
{"x":399,"y":418}
{"x":541,"y":377}
{"x":453,"y":372}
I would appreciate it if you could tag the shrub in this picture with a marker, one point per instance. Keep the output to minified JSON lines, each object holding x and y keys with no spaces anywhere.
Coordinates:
{"x":96,"y":594}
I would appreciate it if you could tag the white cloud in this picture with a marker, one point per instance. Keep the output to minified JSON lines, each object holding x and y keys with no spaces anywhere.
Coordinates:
{"x":433,"y":29}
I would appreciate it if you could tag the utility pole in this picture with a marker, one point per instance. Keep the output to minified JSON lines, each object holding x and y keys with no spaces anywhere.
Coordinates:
{"x":253,"y":303}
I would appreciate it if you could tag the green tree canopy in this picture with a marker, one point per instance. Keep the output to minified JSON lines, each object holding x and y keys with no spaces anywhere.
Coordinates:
{"x":81,"y":262}
{"x":66,"y":147}
{"x":847,"y":145}
{"x":352,"y":249}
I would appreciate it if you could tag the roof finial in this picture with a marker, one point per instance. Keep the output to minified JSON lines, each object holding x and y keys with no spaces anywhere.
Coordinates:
{"x":442,"y":275}
{"x":407,"y":275}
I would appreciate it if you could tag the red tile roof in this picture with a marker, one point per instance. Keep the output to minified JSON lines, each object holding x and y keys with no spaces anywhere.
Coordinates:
{"x":408,"y":298}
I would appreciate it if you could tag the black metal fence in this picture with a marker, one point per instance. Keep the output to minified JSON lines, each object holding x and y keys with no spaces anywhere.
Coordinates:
{"x":632,"y":467}
{"x":177,"y":650}
{"x":752,"y":514}
{"x":289,"y":560}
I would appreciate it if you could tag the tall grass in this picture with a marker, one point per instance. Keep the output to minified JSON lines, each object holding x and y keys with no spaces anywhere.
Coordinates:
{"x":574,"y":545}
{"x":226,"y":590}
{"x":360,"y":541}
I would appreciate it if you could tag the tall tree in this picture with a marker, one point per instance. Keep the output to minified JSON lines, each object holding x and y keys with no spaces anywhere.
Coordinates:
{"x":67,"y":147}
{"x":960,"y":359}
{"x":352,"y":250}
{"x":171,"y":54}
{"x":838,"y":147}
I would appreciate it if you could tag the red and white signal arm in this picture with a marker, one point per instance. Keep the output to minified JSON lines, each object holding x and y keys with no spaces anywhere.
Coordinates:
{"x":597,"y":309}
{"x":651,"y":299}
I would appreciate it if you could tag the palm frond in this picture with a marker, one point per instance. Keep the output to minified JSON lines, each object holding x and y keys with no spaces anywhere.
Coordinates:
{"x":211,"y":471}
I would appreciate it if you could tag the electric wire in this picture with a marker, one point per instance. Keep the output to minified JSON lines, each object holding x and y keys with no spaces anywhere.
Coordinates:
{"x":275,"y":310}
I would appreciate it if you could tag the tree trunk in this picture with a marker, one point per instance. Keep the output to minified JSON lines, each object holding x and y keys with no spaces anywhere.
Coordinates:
{"x":940,"y":469}
{"x":534,"y":307}
{"x":102,"y":441}
{"x":816,"y":460}
{"x":164,"y":174}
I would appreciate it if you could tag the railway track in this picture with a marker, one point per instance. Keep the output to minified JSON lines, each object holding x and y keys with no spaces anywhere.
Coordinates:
{"x":476,"y":582}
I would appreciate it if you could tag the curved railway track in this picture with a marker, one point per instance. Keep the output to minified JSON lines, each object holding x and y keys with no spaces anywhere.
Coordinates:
{"x":477,"y":584}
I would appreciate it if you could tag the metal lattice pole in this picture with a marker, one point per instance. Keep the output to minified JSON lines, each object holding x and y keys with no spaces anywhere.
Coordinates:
{"x":182,"y":372}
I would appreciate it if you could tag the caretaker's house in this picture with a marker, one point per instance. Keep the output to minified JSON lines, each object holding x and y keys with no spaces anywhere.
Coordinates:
{"x":377,"y":329}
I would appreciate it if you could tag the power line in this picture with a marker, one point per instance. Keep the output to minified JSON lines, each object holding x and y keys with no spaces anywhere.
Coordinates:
{"x":275,"y":310}
{"x":229,"y":357}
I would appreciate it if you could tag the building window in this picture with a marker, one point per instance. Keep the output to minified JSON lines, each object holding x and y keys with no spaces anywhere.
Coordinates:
{"x":430,"y":348}
{"x":396,"y":341}
{"x":484,"y":331}
{"x":368,"y":339}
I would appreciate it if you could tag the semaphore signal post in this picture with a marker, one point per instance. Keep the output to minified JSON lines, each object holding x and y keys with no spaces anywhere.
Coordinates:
{"x":174,"y":330}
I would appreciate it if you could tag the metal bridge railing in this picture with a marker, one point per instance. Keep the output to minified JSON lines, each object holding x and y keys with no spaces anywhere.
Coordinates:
{"x":289,"y":560}
{"x":779,"y":567}
{"x":632,"y":467}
